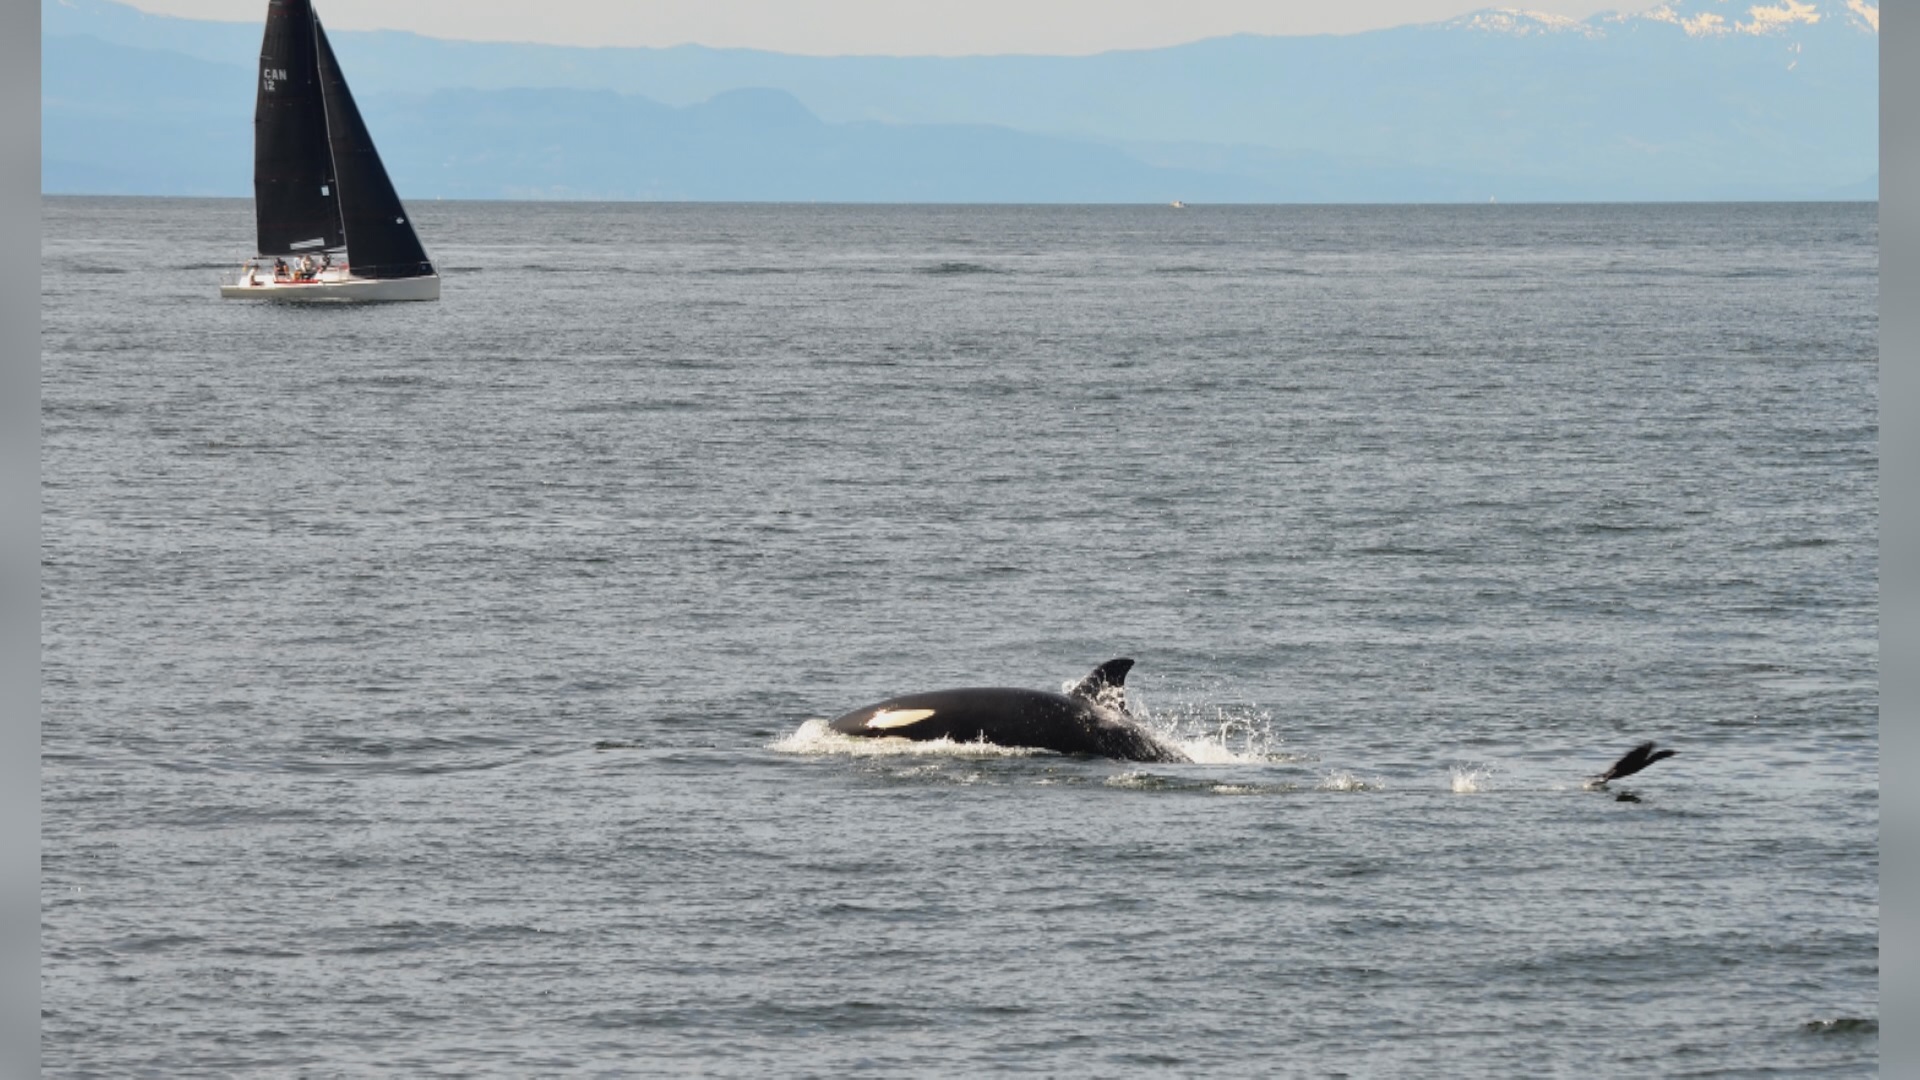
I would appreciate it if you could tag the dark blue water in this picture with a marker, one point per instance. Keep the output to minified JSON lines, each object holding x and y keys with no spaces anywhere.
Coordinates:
{"x":427,"y":687}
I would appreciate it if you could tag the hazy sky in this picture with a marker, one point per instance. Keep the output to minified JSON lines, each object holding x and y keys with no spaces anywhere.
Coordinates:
{"x":876,"y":26}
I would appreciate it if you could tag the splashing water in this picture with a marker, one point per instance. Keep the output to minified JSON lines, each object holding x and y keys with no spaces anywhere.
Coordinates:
{"x":1470,"y":779}
{"x":1346,"y":781}
{"x":1139,"y":781}
{"x":1215,"y":734}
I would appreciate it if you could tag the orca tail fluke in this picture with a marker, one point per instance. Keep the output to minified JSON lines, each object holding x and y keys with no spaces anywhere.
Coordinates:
{"x":1632,"y":762}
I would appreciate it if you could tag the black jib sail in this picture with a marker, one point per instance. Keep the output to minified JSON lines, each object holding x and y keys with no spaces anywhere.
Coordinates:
{"x":318,"y":183}
{"x":294,"y":196}
{"x":381,"y":242}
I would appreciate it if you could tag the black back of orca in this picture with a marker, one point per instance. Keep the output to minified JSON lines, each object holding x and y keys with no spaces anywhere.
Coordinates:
{"x":1080,"y":723}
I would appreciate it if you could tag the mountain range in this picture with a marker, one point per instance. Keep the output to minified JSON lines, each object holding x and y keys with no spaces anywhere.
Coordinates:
{"x":1694,"y":99}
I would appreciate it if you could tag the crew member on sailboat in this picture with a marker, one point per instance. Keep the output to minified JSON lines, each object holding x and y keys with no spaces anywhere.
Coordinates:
{"x":318,"y":183}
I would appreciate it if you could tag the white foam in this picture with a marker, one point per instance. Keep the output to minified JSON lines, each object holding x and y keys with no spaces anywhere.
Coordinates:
{"x":1469,"y":780}
{"x":1138,"y":780}
{"x":1214,"y":734}
{"x":1341,"y":780}
{"x":1206,"y":750}
{"x":814,"y":739}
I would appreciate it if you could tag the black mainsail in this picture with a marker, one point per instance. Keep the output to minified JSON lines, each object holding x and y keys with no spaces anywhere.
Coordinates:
{"x":317,"y":180}
{"x":293,"y":191}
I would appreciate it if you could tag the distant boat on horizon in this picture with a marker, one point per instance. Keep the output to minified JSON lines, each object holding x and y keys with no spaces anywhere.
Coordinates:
{"x":1178,"y":205}
{"x":319,"y":188}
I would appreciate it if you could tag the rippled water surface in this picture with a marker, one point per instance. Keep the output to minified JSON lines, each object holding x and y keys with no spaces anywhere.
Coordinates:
{"x":427,"y":687}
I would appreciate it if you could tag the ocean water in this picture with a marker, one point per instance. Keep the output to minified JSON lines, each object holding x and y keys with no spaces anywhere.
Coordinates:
{"x":435,"y":689}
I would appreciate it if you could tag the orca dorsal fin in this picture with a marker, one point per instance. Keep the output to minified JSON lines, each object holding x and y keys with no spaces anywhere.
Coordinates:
{"x":1107,"y":685}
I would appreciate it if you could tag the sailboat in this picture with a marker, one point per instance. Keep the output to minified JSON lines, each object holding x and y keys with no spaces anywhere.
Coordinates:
{"x":321,"y":197}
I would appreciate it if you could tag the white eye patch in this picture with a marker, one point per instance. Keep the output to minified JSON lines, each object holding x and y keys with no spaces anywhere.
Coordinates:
{"x":893,"y":718}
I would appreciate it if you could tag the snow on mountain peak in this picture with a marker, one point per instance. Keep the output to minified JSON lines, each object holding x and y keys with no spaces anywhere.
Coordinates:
{"x":1698,"y":18}
{"x":1768,"y":19}
{"x":1757,"y":19}
{"x":1521,"y":23}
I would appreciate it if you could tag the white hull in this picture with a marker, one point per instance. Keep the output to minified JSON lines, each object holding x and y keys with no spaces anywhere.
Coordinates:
{"x":334,"y":287}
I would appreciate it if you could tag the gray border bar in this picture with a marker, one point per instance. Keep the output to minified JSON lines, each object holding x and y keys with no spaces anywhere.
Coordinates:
{"x":20,"y":539}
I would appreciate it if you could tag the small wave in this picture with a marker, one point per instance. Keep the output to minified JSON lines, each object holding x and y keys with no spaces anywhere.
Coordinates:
{"x":1140,"y":781}
{"x":1605,"y":528}
{"x":418,"y":755}
{"x":937,"y":772}
{"x":960,"y":268}
{"x":1246,"y":789}
{"x":385,"y":379}
{"x":614,"y":408}
{"x":147,"y":943}
{"x":229,"y":816}
{"x":815,"y":739}
{"x":1187,"y":784}
{"x":1469,"y":780}
{"x":215,"y":447}
{"x":1341,"y":780}
{"x":1396,"y":549}
{"x":1843,"y":1025}
{"x":409,"y":935}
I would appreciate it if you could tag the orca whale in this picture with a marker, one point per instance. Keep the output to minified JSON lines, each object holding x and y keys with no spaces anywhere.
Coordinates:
{"x":1091,"y":718}
{"x":1631,"y":762}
